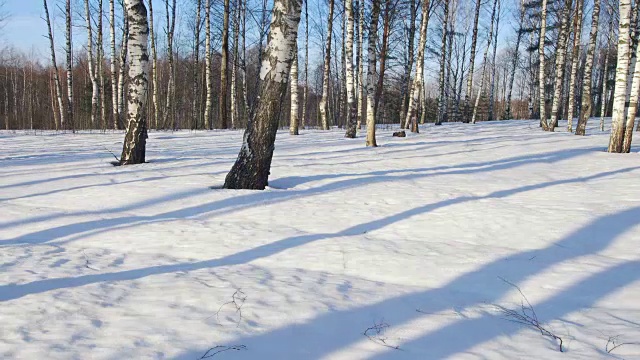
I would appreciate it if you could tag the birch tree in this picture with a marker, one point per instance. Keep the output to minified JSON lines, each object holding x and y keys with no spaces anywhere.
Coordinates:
{"x":443,"y":53}
{"x":327,"y":71}
{"x":69,"y":51}
{"x":560,"y":63}
{"x":541,"y":70}
{"x":293,"y":80}
{"x":251,"y":169}
{"x":133,"y":150}
{"x":207,"y":59}
{"x":91,"y":63}
{"x":575,"y":59}
{"x":305,"y":99}
{"x":196,"y":65}
{"x":169,"y":114}
{"x":474,"y":42}
{"x":484,"y":63}
{"x":371,"y":74}
{"x":494,"y":66}
{"x":416,"y":87}
{"x":634,"y":92}
{"x":352,"y":107}
{"x":114,"y":74}
{"x":224,"y":65}
{"x":585,"y":108}
{"x":362,"y":79}
{"x":514,"y":60}
{"x":154,"y":69}
{"x":54,"y":64}
{"x":622,"y":68}
{"x":234,"y":66}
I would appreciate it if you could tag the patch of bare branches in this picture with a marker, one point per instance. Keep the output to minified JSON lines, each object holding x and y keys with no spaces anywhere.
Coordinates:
{"x":614,"y":342}
{"x":237,"y":301}
{"x":526,"y":316}
{"x":219,"y":349}
{"x":375,"y":333}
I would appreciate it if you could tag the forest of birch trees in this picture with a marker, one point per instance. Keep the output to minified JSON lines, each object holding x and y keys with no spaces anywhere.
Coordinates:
{"x":355,"y":65}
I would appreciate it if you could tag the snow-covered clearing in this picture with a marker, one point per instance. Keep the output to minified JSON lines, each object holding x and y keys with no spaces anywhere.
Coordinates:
{"x":141,"y":262}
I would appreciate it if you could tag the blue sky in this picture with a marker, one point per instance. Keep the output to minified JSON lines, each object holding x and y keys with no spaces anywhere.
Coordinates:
{"x":25,"y":28}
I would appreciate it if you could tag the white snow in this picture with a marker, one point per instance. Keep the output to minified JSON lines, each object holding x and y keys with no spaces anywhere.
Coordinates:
{"x":142,"y":262}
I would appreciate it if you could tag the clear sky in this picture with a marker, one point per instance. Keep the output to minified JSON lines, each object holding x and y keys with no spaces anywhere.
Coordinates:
{"x":25,"y":28}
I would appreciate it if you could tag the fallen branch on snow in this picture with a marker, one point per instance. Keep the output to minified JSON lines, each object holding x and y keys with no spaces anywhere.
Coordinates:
{"x":375,"y":333}
{"x":218,"y":349}
{"x":237,"y":300}
{"x":526,"y":315}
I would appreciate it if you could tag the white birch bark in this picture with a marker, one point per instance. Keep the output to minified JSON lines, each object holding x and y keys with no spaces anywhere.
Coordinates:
{"x":371,"y":75}
{"x":123,"y":66}
{"x":575,"y":59}
{"x":474,"y":41}
{"x":362,"y":82}
{"x":541,"y":72}
{"x":114,"y":73}
{"x":56,"y":75}
{"x":484,"y":63}
{"x":632,"y":108}
{"x":293,"y":81}
{"x":622,"y":69}
{"x":560,"y":64}
{"x":327,"y":71}
{"x":443,"y":52}
{"x":352,"y":106}
{"x":208,"y":104}
{"x":69,"y":51}
{"x":585,"y":108}
{"x":133,"y":151}
{"x":91,"y":63}
{"x":416,"y":87}
{"x":251,"y":169}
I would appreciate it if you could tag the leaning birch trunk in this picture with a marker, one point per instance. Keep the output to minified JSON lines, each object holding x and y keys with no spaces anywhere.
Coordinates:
{"x":327,"y":72}
{"x":92,"y":72}
{"x":54,"y":64}
{"x":474,"y":41}
{"x":154,"y":68}
{"x":443,"y":52}
{"x":515,"y":60}
{"x":293,"y":80}
{"x":362,"y":81}
{"x":560,"y":64}
{"x":633,"y":105}
{"x":622,"y":69}
{"x":207,"y":59}
{"x":352,"y":106}
{"x":251,"y":169}
{"x":484,"y":63}
{"x":371,"y":75}
{"x":69,"y":51}
{"x":224,"y":65}
{"x":575,"y":59}
{"x":585,"y":108}
{"x":541,"y":72}
{"x":416,"y":87}
{"x":114,"y":73}
{"x":133,"y":151}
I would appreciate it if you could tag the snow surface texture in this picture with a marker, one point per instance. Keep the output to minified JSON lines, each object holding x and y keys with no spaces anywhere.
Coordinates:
{"x":145,"y":262}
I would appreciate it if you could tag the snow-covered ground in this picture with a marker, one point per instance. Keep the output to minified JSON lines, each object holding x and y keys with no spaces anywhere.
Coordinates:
{"x":417,"y":238}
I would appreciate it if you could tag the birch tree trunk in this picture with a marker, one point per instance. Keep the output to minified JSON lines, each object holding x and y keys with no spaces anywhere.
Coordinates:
{"x":575,"y":59}
{"x":362,"y":81}
{"x":54,"y":64}
{"x":169,"y":116}
{"x":406,"y":86}
{"x":123,"y":65}
{"x":69,"y":51}
{"x":154,"y":66}
{"x":114,"y":73}
{"x":100,"y":69}
{"x":622,"y":69}
{"x":560,"y":64}
{"x":306,"y":66}
{"x":196,"y":66}
{"x":443,"y":53}
{"x":632,"y":109}
{"x":327,"y":71}
{"x":224,"y":65}
{"x":208,"y":104}
{"x":245,"y":97}
{"x":585,"y":108}
{"x":493,"y":65}
{"x":605,"y":79}
{"x":91,"y":63}
{"x":541,"y":71}
{"x":293,"y":80}
{"x":133,"y":151}
{"x":474,"y":42}
{"x":416,"y":87}
{"x":484,"y":63}
{"x":352,"y":107}
{"x":251,"y":169}
{"x":371,"y":74}
{"x":234,"y":69}
{"x":514,"y":61}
